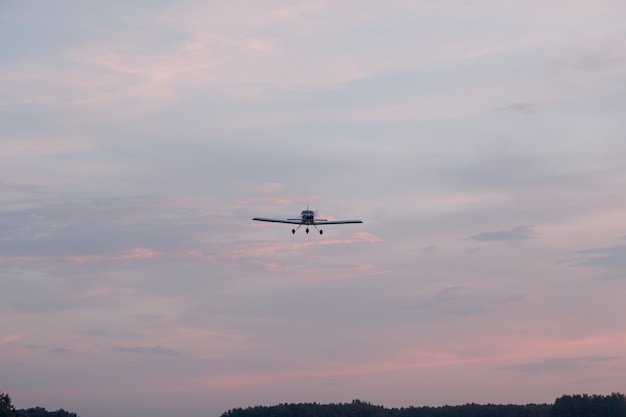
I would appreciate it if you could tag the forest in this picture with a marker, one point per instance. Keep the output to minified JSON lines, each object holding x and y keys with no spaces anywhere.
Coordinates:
{"x":613,"y":405}
{"x":8,"y":410}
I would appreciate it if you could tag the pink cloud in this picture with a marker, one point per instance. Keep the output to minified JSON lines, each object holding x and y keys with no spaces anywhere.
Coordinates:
{"x":24,"y":259}
{"x":264,"y":204}
{"x":542,"y":347}
{"x":31,"y":147}
{"x":281,"y":249}
{"x":434,"y":357}
{"x":347,"y":271}
{"x":132,"y":254}
{"x":139,"y":253}
{"x":329,"y":369}
{"x":8,"y":338}
{"x":197,"y":254}
{"x":269,"y":186}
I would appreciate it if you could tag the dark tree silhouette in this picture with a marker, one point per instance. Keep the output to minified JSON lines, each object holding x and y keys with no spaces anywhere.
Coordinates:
{"x":42,"y":412}
{"x":613,"y":405}
{"x":6,"y":408}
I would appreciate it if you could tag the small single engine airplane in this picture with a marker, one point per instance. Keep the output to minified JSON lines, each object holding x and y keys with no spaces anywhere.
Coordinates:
{"x":307,"y":218}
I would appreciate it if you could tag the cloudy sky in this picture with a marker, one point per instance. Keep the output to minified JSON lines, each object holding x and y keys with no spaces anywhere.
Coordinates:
{"x":481,"y":142}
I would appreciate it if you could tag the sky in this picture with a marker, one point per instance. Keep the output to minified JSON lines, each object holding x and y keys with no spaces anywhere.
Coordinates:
{"x":481,"y":142}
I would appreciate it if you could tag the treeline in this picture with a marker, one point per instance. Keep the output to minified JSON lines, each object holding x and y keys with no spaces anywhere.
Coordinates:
{"x":613,"y":405}
{"x":42,"y":412}
{"x":8,"y":410}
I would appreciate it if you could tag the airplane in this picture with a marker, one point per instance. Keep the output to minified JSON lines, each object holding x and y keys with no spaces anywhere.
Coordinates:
{"x":307,"y":218}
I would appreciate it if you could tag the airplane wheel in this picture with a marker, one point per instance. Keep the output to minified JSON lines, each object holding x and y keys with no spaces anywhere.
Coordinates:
{"x":307,"y":230}
{"x":293,"y":231}
{"x":321,"y":231}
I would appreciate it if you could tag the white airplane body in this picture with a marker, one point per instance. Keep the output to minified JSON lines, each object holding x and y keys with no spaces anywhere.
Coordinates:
{"x":307,"y":218}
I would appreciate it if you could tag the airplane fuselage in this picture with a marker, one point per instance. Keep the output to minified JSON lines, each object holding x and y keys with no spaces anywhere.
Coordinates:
{"x":307,"y":216}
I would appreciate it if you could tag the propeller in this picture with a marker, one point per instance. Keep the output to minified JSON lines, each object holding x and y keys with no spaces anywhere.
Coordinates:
{"x":315,"y":212}
{"x":316,"y":216}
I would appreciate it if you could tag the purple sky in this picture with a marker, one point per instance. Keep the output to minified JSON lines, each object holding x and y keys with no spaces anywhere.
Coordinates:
{"x":482,"y":143}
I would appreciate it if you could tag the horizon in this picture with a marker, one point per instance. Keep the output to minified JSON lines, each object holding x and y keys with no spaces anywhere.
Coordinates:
{"x":359,"y":401}
{"x":482,"y":145}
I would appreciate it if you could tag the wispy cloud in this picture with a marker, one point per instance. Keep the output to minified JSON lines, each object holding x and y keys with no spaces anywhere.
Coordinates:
{"x":518,"y":233}
{"x":458,"y":300}
{"x":401,"y":361}
{"x":147,"y":350}
{"x":282,"y":249}
{"x":607,"y":258}
{"x":429,"y":249}
{"x":524,"y":108}
{"x":133,"y":254}
{"x":8,"y":338}
{"x":559,"y":365}
{"x":269,"y":186}
{"x":59,"y":350}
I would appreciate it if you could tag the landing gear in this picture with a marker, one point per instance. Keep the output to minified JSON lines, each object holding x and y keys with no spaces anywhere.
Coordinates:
{"x":293,"y":231}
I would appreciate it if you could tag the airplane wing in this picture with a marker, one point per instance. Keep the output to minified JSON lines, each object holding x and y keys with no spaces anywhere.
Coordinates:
{"x":289,"y":221}
{"x":336,"y":221}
